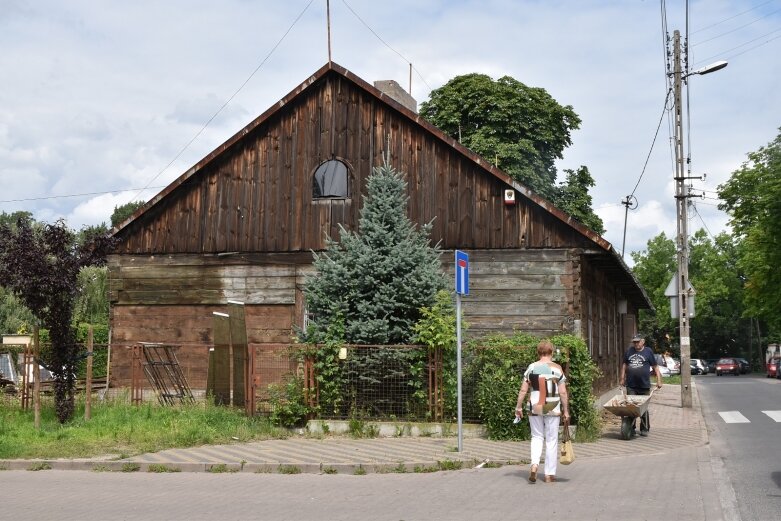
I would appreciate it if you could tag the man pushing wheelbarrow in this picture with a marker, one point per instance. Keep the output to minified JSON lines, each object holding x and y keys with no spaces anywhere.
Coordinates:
{"x":639,"y":361}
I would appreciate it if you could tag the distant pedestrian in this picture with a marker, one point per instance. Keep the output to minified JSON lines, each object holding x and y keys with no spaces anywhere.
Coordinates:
{"x":639,"y":361}
{"x":547,"y":404}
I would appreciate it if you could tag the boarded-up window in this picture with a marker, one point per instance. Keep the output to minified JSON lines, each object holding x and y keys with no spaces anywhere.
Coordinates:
{"x":330,"y":180}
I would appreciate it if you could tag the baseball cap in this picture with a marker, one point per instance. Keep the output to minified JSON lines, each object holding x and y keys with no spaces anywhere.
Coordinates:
{"x":637,"y":338}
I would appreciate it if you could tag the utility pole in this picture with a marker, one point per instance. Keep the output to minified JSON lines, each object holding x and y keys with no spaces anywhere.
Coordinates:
{"x":681,"y":200}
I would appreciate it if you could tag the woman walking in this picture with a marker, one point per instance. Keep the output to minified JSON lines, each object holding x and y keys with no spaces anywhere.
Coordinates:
{"x":547,"y":404}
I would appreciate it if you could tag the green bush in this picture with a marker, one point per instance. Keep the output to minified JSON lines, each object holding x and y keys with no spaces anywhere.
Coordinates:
{"x":288,"y":406}
{"x":500,"y":362}
{"x":581,"y":373}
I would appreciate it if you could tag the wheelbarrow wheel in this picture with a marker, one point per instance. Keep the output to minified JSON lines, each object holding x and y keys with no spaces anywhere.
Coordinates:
{"x":626,"y":427}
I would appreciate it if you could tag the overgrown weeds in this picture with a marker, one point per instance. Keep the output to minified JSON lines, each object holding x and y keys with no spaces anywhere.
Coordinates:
{"x":117,"y":427}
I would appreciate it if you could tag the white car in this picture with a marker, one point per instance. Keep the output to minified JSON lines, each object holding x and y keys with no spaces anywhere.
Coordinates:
{"x":698,"y":366}
{"x":663,"y":369}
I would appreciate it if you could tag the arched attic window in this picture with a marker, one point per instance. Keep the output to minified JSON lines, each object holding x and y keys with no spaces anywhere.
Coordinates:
{"x":330,"y":180}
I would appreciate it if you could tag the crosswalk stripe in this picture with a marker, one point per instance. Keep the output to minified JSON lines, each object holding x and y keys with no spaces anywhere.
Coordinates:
{"x":733,"y":417}
{"x":775,"y":415}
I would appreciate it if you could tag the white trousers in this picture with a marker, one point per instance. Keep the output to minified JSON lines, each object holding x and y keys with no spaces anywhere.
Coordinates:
{"x":545,"y":428}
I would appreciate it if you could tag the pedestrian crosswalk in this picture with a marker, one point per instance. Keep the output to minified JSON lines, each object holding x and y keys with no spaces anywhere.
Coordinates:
{"x":737,"y":417}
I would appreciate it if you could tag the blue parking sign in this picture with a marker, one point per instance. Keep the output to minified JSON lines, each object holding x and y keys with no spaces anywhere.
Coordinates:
{"x":462,"y":273}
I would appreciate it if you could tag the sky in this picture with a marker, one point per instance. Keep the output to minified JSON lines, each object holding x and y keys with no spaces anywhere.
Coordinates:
{"x":104,"y":102}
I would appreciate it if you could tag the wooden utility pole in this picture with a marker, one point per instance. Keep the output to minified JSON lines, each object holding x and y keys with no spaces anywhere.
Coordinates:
{"x":681,"y":200}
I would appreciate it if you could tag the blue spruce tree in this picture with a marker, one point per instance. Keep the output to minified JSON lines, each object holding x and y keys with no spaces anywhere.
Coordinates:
{"x":376,"y":280}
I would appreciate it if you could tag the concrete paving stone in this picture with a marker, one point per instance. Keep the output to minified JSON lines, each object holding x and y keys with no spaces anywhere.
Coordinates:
{"x":672,"y":427}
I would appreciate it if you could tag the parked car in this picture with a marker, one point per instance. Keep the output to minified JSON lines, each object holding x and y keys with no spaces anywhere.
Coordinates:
{"x":698,"y":366}
{"x":727,"y":366}
{"x":745,"y":367}
{"x":712,"y":364}
{"x":778,"y":368}
{"x":772,"y":367}
{"x":663,"y":369}
{"x":673,"y":365}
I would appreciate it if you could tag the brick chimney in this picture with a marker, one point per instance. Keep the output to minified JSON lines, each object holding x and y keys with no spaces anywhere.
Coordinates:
{"x":395,"y":91}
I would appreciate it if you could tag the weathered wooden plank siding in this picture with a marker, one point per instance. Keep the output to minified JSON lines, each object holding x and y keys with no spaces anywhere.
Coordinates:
{"x":602,"y":324}
{"x":516,"y":290}
{"x":257,"y":196}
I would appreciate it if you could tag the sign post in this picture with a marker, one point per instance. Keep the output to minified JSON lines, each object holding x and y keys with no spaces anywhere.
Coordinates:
{"x":462,"y":288}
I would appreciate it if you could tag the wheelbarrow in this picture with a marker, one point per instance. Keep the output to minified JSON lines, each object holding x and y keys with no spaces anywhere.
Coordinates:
{"x":628,"y":407}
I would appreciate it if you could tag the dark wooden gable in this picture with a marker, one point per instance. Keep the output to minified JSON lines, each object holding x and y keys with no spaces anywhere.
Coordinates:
{"x":254,"y":193}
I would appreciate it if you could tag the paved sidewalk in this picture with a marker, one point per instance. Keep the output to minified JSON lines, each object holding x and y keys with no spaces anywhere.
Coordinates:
{"x":672,"y":427}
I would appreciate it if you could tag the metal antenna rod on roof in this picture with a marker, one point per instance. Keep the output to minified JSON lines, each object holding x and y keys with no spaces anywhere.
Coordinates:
{"x":328,"y":23}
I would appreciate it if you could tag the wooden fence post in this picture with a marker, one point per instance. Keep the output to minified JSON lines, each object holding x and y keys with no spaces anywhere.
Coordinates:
{"x":88,"y":390}
{"x":36,"y":379}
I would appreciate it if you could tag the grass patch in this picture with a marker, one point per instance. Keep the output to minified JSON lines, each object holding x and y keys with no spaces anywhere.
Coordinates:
{"x":40,"y":465}
{"x":222,"y":468}
{"x":117,"y":427}
{"x":450,"y":465}
{"x":101,"y":468}
{"x":131,"y":467}
{"x":360,"y":471}
{"x":329,"y":470}
{"x":159,"y":468}
{"x":400,"y":468}
{"x":492,"y":465}
{"x":288,"y":469}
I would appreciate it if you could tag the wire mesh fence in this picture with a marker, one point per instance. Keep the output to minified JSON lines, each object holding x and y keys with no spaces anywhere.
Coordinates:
{"x":403,"y":383}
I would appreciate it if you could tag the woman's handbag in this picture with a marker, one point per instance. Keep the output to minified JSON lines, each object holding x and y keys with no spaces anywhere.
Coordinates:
{"x":566,"y":452}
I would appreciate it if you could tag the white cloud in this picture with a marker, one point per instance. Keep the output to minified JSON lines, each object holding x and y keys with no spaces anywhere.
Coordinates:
{"x":102,"y":96}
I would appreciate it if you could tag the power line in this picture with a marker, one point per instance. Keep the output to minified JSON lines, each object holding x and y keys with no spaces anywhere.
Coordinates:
{"x":722,"y":53}
{"x":736,"y":28}
{"x":73,"y":195}
{"x":386,"y":44}
{"x":227,"y":101}
{"x":703,"y":221}
{"x":732,"y":17}
{"x":656,"y":134}
{"x":752,"y":48}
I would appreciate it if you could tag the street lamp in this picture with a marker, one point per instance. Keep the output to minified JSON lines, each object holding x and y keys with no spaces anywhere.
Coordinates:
{"x":685,"y":291}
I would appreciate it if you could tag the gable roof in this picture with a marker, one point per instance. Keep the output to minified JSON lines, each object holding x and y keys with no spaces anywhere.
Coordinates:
{"x":603,"y":254}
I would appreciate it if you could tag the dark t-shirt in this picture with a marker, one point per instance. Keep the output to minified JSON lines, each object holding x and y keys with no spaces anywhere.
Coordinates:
{"x":638,"y":367}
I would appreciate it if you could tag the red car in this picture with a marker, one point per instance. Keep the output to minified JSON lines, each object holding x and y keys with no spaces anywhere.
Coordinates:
{"x":727,"y":365}
{"x":771,"y":368}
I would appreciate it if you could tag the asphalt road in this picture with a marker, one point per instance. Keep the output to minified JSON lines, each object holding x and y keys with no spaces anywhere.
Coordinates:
{"x":743,"y":415}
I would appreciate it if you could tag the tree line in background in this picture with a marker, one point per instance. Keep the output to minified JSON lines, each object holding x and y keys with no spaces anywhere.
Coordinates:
{"x":56,"y":275}
{"x":91,"y":305}
{"x":736,"y":276}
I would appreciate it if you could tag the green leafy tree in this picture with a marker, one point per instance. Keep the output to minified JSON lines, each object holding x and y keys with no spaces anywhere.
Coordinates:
{"x":752,"y":196}
{"x":92,"y":306}
{"x":14,"y":316}
{"x":377,"y":278}
{"x":11,"y":219}
{"x":654,"y":268}
{"x":40,"y":265}
{"x":121,"y":213}
{"x":573,"y":198}
{"x":718,"y":327}
{"x":521,"y":128}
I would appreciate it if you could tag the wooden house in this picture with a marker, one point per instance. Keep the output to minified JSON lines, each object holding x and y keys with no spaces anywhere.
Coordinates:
{"x":241,"y":225}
